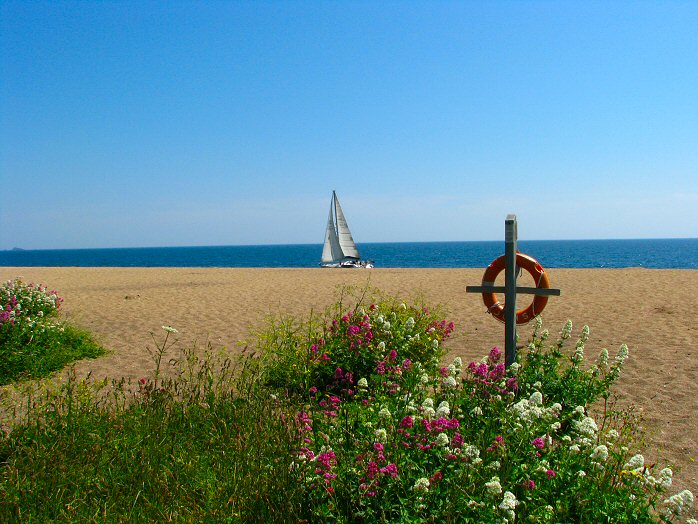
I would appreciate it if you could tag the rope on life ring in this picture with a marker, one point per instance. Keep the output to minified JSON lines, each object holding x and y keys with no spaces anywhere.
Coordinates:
{"x":530,"y":264}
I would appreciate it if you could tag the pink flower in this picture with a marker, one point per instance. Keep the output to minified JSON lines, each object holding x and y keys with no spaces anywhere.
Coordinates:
{"x":530,"y":485}
{"x":538,"y":443}
{"x":495,"y":354}
{"x":550,"y":473}
{"x":392,"y":355}
{"x":407,"y":422}
{"x":390,"y":469}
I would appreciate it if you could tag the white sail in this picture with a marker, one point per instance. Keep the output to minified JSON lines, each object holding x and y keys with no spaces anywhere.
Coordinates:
{"x":346,"y":242}
{"x":331,"y":250}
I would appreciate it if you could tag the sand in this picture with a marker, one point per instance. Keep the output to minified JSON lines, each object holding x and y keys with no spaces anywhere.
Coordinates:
{"x":654,"y":311}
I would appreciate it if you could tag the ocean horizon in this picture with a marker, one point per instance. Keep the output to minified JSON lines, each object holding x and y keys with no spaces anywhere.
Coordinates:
{"x":674,"y":253}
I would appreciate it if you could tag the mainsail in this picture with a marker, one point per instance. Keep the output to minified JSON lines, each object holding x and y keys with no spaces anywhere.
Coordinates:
{"x":339,"y":244}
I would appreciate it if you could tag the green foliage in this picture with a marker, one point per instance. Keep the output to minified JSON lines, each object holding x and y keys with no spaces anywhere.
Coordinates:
{"x":33,"y":343}
{"x":368,"y":434}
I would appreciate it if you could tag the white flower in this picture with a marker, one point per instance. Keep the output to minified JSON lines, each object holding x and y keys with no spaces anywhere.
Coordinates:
{"x":612,"y":434}
{"x":170,"y":329}
{"x":515,"y":366}
{"x":435,"y":344}
{"x":384,"y":413}
{"x":600,"y":453}
{"x":471,"y":451}
{"x":509,"y":504}
{"x":555,"y":426}
{"x":381,"y":435}
{"x":410,"y":323}
{"x":429,"y":413}
{"x":536,"y":398}
{"x":442,"y":440}
{"x":422,"y":484}
{"x":622,"y":355}
{"x":586,"y":428}
{"x":678,"y":503}
{"x":603,"y":358}
{"x":581,"y":473}
{"x":493,"y":487}
{"x":665,"y":478}
{"x":428,"y":403}
{"x":444,"y":410}
{"x":362,"y":383}
{"x":424,"y":379}
{"x":635,"y":463}
{"x":477,"y":411}
{"x":450,"y":382}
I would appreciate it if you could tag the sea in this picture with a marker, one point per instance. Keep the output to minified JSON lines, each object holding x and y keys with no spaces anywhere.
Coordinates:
{"x":646,"y":253}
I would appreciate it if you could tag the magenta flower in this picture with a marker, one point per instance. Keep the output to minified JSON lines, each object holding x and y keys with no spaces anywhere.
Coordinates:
{"x":390,"y":469}
{"x":538,"y":443}
{"x":407,"y":422}
{"x":495,"y":354}
{"x":550,"y":473}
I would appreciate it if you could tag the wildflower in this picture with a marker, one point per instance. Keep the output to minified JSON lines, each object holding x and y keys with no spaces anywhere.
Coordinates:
{"x":665,"y":478}
{"x":515,"y":366}
{"x":581,"y":473}
{"x":443,"y":410}
{"x":622,"y":355}
{"x":637,"y":462}
{"x":384,"y":413}
{"x":555,"y":426}
{"x":509,"y":504}
{"x":603,"y":358}
{"x":538,"y":443}
{"x":450,"y":382}
{"x":565,"y":333}
{"x":536,"y":398}
{"x":477,"y":411}
{"x":600,"y":453}
{"x":677,"y":504}
{"x":422,"y":484}
{"x":390,"y":469}
{"x":493,"y":487}
{"x":409,"y":324}
{"x":442,"y":440}
{"x":612,"y":434}
{"x":381,"y":435}
{"x":428,"y":403}
{"x":550,"y":473}
{"x":170,"y":329}
{"x":362,"y":383}
{"x":424,"y":379}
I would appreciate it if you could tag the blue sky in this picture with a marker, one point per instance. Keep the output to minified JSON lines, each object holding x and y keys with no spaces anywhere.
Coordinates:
{"x":217,"y":123}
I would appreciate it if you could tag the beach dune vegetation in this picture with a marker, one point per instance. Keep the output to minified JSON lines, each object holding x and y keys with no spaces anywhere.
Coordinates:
{"x":355,"y":415}
{"x":33,"y":341}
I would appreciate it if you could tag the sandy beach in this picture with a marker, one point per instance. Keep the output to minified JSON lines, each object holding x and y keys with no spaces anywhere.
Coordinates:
{"x":654,"y":311}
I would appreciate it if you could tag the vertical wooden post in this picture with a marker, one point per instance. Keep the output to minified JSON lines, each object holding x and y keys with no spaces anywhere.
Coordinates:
{"x":510,"y":239}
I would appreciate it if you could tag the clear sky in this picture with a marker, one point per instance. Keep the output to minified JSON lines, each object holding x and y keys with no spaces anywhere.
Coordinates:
{"x":216,"y":123}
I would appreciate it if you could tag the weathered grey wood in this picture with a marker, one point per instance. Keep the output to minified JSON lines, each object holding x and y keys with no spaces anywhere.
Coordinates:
{"x":510,"y":240}
{"x":542,"y":291}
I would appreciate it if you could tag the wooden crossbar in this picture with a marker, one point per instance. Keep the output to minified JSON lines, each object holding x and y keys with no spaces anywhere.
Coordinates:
{"x":542,"y":291}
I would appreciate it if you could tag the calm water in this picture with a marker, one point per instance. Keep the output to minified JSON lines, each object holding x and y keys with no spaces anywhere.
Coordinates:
{"x":661,"y":253}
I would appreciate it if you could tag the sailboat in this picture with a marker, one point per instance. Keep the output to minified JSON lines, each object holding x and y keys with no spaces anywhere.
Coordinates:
{"x":339,"y":249}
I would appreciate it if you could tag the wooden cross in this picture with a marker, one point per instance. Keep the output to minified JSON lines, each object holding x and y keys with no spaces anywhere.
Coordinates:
{"x":510,"y":289}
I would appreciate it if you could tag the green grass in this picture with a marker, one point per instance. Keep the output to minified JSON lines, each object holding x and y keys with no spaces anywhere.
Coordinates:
{"x":32,"y":354}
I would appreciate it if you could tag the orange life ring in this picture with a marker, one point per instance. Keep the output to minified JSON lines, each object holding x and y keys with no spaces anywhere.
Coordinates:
{"x":530,"y":264}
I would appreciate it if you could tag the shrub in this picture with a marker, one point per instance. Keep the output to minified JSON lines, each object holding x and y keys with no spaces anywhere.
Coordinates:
{"x":33,"y":342}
